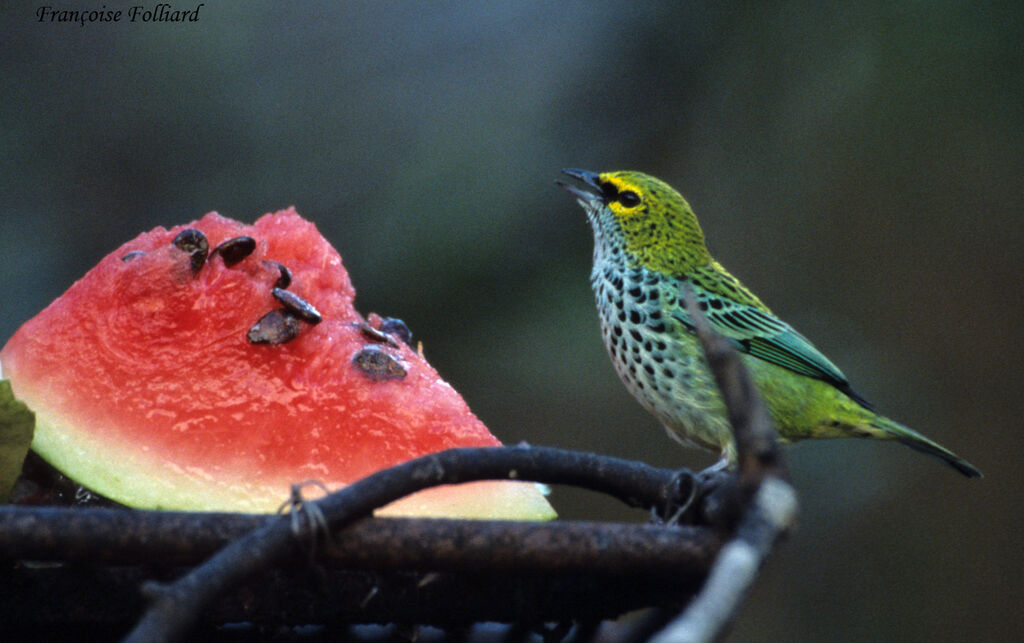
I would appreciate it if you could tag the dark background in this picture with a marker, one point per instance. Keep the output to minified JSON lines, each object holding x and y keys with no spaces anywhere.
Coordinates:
{"x":859,"y":168}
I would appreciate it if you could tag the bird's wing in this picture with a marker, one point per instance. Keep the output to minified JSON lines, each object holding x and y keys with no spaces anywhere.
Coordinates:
{"x":756,"y":331}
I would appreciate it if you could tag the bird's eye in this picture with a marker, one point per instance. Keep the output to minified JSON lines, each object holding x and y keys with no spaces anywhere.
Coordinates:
{"x":629,"y":198}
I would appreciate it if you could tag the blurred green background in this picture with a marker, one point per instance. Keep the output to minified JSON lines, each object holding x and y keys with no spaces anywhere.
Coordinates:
{"x":861,"y":168}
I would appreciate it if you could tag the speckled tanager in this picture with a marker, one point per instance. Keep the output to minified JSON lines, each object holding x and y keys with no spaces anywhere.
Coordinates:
{"x":647,"y":245}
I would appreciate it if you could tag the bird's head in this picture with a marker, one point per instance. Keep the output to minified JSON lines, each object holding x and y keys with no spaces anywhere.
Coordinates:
{"x":643,"y":217}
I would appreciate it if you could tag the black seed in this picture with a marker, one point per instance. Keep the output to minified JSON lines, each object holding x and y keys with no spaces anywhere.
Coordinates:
{"x":635,"y":316}
{"x":649,"y":369}
{"x":669,"y":373}
{"x":396,"y":327}
{"x":285,"y":279}
{"x":647,"y":346}
{"x":134,"y":254}
{"x":634,"y":292}
{"x":276,"y":327}
{"x":235,"y":249}
{"x":195,"y":244}
{"x":191,"y":240}
{"x":658,"y":327}
{"x":377,"y":364}
{"x":622,"y":315}
{"x":617,"y":330}
{"x":703,"y":305}
{"x":377,"y":335}
{"x":717,"y":304}
{"x":297,"y":306}
{"x":636,"y":334}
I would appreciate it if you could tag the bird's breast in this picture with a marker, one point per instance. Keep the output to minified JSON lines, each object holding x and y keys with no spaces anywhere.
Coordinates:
{"x":658,"y":361}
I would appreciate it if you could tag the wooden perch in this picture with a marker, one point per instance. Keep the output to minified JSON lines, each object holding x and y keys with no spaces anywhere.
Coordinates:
{"x":437,"y":572}
{"x":176,"y":607}
{"x":506,"y":572}
{"x":168,"y":540}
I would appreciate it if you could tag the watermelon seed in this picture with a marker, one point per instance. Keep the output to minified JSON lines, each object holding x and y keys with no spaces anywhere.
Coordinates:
{"x":372,"y":333}
{"x":276,"y":327}
{"x":297,"y":306}
{"x":285,"y":279}
{"x":134,"y":254}
{"x":396,"y":327}
{"x":235,"y":249}
{"x":195,"y":244}
{"x":378,"y":365}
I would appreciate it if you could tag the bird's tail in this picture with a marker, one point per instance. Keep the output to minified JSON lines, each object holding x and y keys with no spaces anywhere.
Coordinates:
{"x":896,"y":431}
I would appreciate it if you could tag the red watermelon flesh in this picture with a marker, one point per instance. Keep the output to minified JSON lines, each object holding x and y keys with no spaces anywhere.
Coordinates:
{"x":148,"y":390}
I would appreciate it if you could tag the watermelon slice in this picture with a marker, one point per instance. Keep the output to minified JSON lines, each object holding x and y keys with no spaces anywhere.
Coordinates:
{"x":210,"y":366}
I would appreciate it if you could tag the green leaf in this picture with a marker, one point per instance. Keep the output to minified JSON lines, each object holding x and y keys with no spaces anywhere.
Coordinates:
{"x":16,"y":425}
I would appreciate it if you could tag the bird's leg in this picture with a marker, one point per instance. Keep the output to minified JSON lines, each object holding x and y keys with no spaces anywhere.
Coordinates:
{"x":721,"y":465}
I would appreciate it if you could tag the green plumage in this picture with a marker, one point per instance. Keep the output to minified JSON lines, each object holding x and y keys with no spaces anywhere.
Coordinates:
{"x":648,"y":243}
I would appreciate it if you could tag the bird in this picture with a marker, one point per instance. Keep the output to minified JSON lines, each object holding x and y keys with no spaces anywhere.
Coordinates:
{"x":649,"y":255}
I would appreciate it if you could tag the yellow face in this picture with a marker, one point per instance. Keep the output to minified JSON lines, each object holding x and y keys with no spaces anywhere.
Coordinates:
{"x":658,"y":226}
{"x":623,"y":197}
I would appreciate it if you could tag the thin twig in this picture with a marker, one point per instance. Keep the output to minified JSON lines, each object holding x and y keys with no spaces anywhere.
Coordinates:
{"x":714,"y":608}
{"x":772,"y":504}
{"x":757,"y":449}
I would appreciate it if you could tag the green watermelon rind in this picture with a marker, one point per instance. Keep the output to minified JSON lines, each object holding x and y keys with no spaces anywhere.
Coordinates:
{"x":157,"y":486}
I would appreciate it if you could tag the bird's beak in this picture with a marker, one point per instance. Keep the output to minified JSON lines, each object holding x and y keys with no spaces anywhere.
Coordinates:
{"x":591,"y":179}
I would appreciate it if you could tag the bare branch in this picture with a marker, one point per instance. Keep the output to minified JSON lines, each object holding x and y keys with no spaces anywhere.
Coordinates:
{"x":177,"y":607}
{"x":120,"y":537}
{"x":772,"y":505}
{"x":757,"y":449}
{"x":714,"y":608}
